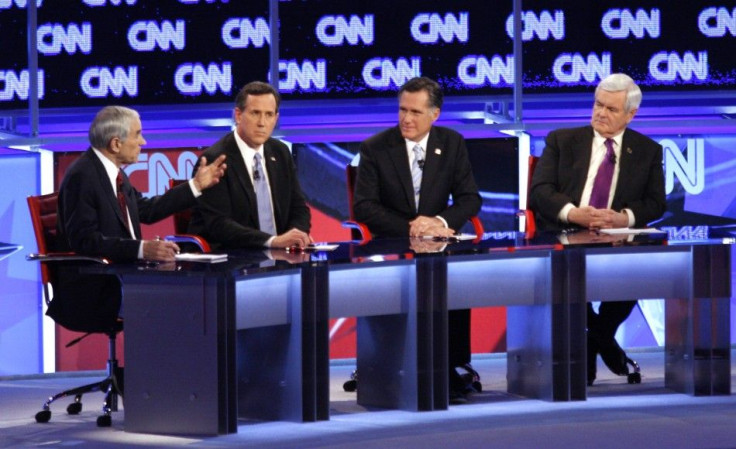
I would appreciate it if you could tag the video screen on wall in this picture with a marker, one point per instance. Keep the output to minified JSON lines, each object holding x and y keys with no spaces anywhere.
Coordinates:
{"x":321,"y":170}
{"x":92,"y":52}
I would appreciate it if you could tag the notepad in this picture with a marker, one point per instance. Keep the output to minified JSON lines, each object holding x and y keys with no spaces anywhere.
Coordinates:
{"x":206,"y":258}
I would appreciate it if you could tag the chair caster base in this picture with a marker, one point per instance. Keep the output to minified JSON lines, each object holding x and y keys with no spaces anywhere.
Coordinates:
{"x":634,"y":378}
{"x":350,"y":386}
{"x":104,"y":421}
{"x":43,"y":416}
{"x":74,"y":408}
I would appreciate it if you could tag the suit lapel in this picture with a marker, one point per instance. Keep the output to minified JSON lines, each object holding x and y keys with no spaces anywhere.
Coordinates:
{"x":433,"y":162}
{"x":627,"y":158}
{"x":238,"y":170}
{"x":107,"y":189}
{"x":400,"y":160}
{"x":582,"y":148}
{"x":132,"y":206}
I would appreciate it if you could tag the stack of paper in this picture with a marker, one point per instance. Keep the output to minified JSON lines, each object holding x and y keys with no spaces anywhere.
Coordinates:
{"x":207,"y":258}
{"x":614,"y":231}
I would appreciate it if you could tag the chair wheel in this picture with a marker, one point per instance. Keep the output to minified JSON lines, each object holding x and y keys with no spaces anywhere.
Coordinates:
{"x":350,"y":386}
{"x":43,"y":416}
{"x":74,"y":408}
{"x":634,"y":378}
{"x":104,"y":421}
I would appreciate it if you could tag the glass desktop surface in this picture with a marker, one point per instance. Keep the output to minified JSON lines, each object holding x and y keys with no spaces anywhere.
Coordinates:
{"x":250,"y":261}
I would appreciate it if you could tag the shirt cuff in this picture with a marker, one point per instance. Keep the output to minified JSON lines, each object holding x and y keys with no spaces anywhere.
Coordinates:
{"x":630,"y":214}
{"x":195,"y":191}
{"x":444,"y":222}
{"x":140,"y":250}
{"x":562,"y":216}
{"x":269,"y":241}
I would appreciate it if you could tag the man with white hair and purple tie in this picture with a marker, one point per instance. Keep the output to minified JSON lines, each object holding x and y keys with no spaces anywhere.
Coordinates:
{"x":604,"y":175}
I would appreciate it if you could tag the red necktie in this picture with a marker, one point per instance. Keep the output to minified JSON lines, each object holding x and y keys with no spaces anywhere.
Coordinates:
{"x":602,"y":183}
{"x":121,"y":199}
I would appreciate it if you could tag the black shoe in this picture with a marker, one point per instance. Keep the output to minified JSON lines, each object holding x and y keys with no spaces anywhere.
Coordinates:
{"x":457,"y":383}
{"x":457,"y":398}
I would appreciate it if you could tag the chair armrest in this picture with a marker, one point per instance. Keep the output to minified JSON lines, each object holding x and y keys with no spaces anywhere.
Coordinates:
{"x":477,"y":228}
{"x":530,"y":226}
{"x":365,"y":234}
{"x":65,"y":257}
{"x":196,"y":240}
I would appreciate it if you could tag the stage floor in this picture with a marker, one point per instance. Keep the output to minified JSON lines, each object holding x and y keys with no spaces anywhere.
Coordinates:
{"x":616,"y":415}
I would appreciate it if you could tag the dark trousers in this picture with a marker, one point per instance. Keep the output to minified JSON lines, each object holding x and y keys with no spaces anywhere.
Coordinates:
{"x":458,"y":328}
{"x":602,"y":328}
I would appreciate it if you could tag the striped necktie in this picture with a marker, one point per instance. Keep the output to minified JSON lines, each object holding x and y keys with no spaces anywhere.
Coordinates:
{"x":416,"y":172}
{"x":263,"y":197}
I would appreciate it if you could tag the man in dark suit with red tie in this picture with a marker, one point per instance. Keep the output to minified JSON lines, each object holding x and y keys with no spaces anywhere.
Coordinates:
{"x":254,"y":206}
{"x":406,"y":177}
{"x":601,"y":176}
{"x":99,"y":215}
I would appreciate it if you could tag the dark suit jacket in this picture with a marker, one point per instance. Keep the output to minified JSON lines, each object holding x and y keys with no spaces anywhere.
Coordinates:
{"x":227,"y":214}
{"x":384,"y":194}
{"x":90,"y":223}
{"x":563,"y":167}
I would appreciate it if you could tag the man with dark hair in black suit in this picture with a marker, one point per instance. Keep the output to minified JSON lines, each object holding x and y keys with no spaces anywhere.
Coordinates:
{"x":406,"y":177}
{"x":259,"y":202}
{"x":566,"y":193}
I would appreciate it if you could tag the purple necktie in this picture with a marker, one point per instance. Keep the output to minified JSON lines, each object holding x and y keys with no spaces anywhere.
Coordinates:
{"x":602,"y":183}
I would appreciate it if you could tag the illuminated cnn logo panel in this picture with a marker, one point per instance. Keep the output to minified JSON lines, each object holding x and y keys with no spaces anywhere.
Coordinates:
{"x":189,"y":51}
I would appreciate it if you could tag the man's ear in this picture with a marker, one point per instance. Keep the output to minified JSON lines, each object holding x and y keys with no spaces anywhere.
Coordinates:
{"x":435,"y":114}
{"x":114,"y":145}
{"x":632,"y":113}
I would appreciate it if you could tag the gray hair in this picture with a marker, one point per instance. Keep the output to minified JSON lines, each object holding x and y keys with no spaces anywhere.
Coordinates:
{"x":111,"y":122}
{"x":618,"y":82}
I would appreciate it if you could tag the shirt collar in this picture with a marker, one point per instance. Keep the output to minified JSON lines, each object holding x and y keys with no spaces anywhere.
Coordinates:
{"x":599,"y":140}
{"x":246,"y":151}
{"x":422,"y":143}
{"x":110,"y":168}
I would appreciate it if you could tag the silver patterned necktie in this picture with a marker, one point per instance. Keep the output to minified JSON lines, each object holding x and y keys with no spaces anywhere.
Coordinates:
{"x":265,"y":213}
{"x":416,"y":172}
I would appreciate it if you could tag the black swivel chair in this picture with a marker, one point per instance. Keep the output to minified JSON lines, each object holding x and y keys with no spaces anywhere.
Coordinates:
{"x":187,"y":242}
{"x":43,"y":210}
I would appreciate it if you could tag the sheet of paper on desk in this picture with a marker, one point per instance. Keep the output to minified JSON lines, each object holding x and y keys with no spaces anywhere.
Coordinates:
{"x":453,"y":238}
{"x":616,"y":231}
{"x":322,"y":247}
{"x":206,"y":258}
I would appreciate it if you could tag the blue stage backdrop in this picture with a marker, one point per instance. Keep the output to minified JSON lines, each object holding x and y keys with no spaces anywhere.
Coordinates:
{"x":20,"y":289}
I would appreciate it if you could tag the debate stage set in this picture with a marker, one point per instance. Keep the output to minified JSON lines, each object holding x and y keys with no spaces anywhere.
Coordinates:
{"x":253,"y":352}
